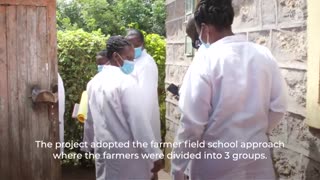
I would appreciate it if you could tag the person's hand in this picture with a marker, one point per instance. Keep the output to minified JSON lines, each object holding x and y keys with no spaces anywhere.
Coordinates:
{"x":157,"y":166}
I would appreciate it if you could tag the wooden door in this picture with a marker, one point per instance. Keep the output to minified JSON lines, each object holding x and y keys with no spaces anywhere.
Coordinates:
{"x":27,"y":58}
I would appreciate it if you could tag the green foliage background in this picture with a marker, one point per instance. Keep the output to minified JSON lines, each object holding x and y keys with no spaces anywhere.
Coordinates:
{"x":112,"y":16}
{"x":76,"y":53}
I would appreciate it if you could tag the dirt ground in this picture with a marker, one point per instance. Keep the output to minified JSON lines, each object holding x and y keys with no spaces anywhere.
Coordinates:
{"x":78,"y":173}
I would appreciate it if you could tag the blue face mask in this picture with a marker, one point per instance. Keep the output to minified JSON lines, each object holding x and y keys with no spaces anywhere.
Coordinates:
{"x":127,"y":66}
{"x":100,"y":67}
{"x":137,"y":52}
{"x":207,"y":45}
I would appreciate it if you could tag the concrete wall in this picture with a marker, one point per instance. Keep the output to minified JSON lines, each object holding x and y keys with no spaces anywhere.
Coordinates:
{"x":176,"y":63}
{"x":279,"y":25}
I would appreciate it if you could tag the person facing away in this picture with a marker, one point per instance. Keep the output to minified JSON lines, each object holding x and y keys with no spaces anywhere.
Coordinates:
{"x":233,"y":93}
{"x":193,"y":34}
{"x":102,"y":60}
{"x":146,"y":71}
{"x":88,"y":134}
{"x":114,"y":117}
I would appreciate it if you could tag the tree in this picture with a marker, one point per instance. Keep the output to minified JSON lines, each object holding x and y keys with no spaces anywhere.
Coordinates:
{"x":112,"y":16}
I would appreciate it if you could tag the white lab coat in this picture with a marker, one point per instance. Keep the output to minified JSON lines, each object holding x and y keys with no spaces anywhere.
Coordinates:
{"x":115,"y":115}
{"x":233,"y":92}
{"x":146,"y":72}
{"x":61,"y":103}
{"x":88,"y":131}
{"x":196,"y":58}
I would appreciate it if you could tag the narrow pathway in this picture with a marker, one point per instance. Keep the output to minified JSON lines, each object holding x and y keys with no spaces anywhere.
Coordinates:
{"x":78,"y":173}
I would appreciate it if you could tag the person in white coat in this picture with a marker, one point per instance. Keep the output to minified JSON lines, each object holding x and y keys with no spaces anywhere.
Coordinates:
{"x":61,"y":103}
{"x":192,"y":33}
{"x":115,"y":116}
{"x":102,"y":60}
{"x":88,"y":134}
{"x":146,"y":72}
{"x":233,"y":93}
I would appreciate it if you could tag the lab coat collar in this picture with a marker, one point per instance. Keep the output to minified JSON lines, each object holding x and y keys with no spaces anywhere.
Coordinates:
{"x":144,"y":52}
{"x":230,"y":39}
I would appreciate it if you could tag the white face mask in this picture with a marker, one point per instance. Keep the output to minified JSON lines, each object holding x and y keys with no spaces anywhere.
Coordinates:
{"x":100,"y":67}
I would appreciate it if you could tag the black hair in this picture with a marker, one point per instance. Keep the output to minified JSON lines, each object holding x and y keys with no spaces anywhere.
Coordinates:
{"x":192,"y":33}
{"x":218,"y":13}
{"x":135,"y":32}
{"x":116,"y":44}
{"x":103,"y":53}
{"x":191,"y":29}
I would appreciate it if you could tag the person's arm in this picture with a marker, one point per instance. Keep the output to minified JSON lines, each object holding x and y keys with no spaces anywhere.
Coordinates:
{"x":195,"y":104}
{"x":61,"y":103}
{"x":134,"y":111}
{"x":278,"y":100}
{"x":150,"y":75}
{"x":148,"y":82}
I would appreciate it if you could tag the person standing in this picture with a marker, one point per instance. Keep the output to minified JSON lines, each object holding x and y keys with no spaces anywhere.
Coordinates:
{"x":88,"y":134}
{"x":192,"y":33}
{"x":102,"y":60}
{"x":115,"y":117}
{"x":146,"y":72}
{"x":234,"y":92}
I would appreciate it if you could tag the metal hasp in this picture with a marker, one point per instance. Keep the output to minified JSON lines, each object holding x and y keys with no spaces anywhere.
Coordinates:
{"x":44,"y":96}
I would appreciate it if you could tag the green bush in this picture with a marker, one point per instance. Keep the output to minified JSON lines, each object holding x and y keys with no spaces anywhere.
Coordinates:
{"x":76,"y":53}
{"x":111,"y":16}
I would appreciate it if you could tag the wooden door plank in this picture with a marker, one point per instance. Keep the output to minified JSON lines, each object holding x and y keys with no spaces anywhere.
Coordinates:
{"x":52,"y":38}
{"x":53,"y":76}
{"x":14,"y":141}
{"x":4,"y":133}
{"x":32,"y":81}
{"x":43,"y":80}
{"x":26,"y":2}
{"x":30,"y":60}
{"x":22,"y":60}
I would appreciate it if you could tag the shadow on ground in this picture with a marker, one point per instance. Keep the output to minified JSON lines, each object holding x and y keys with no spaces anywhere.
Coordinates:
{"x":78,"y":173}
{"x":313,"y":167}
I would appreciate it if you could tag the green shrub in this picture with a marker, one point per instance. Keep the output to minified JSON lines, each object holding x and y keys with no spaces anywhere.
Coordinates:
{"x":76,"y":53}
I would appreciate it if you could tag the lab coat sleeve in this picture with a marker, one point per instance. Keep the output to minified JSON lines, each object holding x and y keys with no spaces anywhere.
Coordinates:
{"x":88,"y":134}
{"x":278,"y":100}
{"x":61,"y":103}
{"x":150,"y":77}
{"x":196,"y":92}
{"x":148,"y":82}
{"x":134,"y":112}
